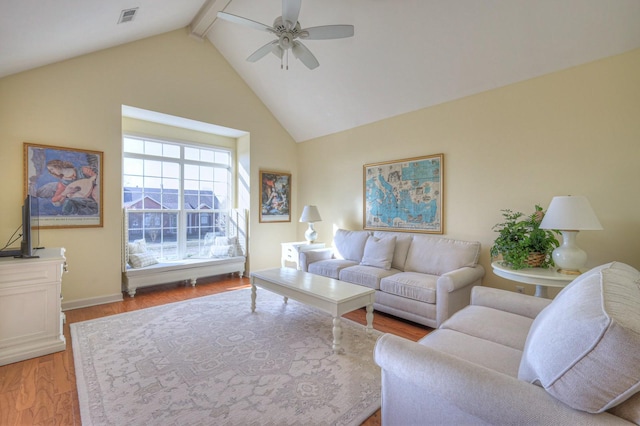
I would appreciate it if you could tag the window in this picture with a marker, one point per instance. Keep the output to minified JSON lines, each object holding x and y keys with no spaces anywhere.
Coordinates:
{"x":177,"y":196}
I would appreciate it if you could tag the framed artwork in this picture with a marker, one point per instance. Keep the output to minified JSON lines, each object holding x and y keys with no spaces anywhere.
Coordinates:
{"x":275,"y":197}
{"x":405,"y":195}
{"x":66,"y":184}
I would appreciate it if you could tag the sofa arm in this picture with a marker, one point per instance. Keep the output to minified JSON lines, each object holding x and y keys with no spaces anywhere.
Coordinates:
{"x":446,"y":384}
{"x":453,"y":291}
{"x":508,"y":301}
{"x":305,"y":258}
{"x":460,"y":278}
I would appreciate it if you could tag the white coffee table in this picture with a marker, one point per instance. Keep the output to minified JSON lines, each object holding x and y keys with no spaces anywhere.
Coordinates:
{"x":329,"y":295}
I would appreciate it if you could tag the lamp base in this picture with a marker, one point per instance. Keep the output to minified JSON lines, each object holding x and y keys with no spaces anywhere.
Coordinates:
{"x":569,"y":258}
{"x":310,"y":234}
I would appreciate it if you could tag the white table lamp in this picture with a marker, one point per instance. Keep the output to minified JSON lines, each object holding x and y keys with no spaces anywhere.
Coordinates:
{"x":570,"y":214}
{"x":310,"y":214}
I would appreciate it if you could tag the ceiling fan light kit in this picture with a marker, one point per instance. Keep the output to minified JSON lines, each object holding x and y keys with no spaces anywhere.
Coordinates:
{"x":287,"y":30}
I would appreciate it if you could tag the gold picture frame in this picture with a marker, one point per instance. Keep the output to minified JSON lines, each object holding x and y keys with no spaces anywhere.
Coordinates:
{"x":66,"y":184}
{"x":275,"y":197}
{"x":405,"y":195}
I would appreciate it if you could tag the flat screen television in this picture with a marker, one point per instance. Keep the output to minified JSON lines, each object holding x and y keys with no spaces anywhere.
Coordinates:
{"x":29,"y":221}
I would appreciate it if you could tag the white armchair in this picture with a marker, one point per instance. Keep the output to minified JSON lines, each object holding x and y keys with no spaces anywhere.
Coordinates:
{"x":514,"y":359}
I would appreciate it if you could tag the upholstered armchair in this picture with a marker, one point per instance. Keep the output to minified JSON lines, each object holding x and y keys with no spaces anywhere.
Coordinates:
{"x":509,"y":358}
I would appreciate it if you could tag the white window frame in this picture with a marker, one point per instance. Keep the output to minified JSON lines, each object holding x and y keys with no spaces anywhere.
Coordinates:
{"x":182,"y":213}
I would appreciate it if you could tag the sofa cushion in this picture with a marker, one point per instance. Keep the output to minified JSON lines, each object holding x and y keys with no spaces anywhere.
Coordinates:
{"x":628,"y":410}
{"x":437,"y":256}
{"x":482,"y":322}
{"x":378,"y":252}
{"x":412,"y":285}
{"x":330,"y":268}
{"x":583,"y":347}
{"x":349,"y":245}
{"x":403,"y":242}
{"x":495,"y":356}
{"x":368,"y":276}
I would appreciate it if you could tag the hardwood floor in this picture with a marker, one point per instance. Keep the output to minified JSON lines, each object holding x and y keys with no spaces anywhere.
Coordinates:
{"x":42,"y":391}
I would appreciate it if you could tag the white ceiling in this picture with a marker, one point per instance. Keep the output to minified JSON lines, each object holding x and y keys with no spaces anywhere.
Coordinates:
{"x":405,"y":55}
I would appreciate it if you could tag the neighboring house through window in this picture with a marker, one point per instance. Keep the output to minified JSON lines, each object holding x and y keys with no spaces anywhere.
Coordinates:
{"x":177,"y":195}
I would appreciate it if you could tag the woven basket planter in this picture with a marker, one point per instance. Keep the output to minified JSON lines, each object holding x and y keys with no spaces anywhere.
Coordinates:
{"x":535,"y":259}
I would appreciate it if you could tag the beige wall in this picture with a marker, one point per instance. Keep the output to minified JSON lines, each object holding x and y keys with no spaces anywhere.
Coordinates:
{"x":571,"y":132}
{"x":77,"y":103}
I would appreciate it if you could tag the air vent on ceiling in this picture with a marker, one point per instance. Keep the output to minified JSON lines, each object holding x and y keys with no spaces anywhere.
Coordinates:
{"x":127,"y":15}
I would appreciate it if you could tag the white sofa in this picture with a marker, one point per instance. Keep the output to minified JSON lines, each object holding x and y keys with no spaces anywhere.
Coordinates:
{"x":418,"y":277}
{"x":514,"y":359}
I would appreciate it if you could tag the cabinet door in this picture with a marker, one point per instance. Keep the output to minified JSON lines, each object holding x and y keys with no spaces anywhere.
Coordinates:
{"x":29,"y":313}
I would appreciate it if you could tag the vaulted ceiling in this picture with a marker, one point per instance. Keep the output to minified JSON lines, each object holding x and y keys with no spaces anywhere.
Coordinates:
{"x":405,"y":55}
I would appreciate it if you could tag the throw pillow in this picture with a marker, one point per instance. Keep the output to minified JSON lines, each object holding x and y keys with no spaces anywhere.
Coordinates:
{"x":403,"y":242}
{"x":349,"y":245}
{"x":222,"y":251}
{"x":378,"y":252}
{"x":583,"y":347}
{"x":231,"y":242}
{"x":140,"y":260}
{"x":138,"y":246}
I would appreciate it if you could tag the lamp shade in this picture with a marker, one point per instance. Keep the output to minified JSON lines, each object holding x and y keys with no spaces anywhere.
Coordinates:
{"x":310,"y":214}
{"x":570,"y":212}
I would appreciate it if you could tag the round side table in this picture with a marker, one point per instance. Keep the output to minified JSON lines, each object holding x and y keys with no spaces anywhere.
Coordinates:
{"x":540,"y":277}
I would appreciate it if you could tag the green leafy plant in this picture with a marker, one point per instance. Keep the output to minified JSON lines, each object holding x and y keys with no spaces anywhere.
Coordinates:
{"x":521,"y":241}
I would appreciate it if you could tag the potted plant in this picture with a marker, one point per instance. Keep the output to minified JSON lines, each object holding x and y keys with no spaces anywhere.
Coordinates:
{"x":522,"y":243}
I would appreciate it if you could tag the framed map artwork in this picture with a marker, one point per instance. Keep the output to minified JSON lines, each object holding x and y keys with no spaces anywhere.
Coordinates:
{"x":275,"y":197}
{"x":404,"y":195}
{"x":66,"y":184}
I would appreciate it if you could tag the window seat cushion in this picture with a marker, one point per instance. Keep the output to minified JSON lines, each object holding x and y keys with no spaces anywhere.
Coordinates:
{"x":176,"y":265}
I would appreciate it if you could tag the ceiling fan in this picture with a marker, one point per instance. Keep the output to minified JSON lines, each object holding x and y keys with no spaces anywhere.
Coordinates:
{"x":287,"y":29}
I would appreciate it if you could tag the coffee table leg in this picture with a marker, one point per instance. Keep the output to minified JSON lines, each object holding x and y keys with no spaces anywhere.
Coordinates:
{"x":337,"y":334}
{"x":369,"y":318}
{"x":253,"y":298}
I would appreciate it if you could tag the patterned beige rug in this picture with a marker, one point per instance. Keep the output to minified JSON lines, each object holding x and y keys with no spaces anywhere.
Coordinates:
{"x":210,"y":361}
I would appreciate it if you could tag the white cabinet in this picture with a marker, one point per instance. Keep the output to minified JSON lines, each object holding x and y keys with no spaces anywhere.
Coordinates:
{"x":31,"y":317}
{"x":291,"y":252}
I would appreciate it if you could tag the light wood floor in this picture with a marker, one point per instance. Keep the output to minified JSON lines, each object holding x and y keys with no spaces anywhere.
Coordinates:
{"x":42,"y":391}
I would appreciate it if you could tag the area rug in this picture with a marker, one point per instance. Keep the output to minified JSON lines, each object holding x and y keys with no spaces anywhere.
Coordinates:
{"x":210,"y":361}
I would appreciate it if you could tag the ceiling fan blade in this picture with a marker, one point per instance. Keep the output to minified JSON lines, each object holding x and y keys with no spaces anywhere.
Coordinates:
{"x":261,"y":52}
{"x":244,"y":21}
{"x":290,"y":12}
{"x":327,"y":32}
{"x":301,"y":52}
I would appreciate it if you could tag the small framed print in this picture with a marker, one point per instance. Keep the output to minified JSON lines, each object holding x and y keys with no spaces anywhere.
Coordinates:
{"x":275,"y":197}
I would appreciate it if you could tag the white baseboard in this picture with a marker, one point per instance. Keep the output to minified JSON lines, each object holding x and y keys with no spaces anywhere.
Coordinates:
{"x":92,"y":301}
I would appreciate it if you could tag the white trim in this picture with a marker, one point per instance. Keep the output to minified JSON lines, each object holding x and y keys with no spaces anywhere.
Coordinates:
{"x":92,"y":301}
{"x":182,"y":162}
{"x":185,"y":123}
